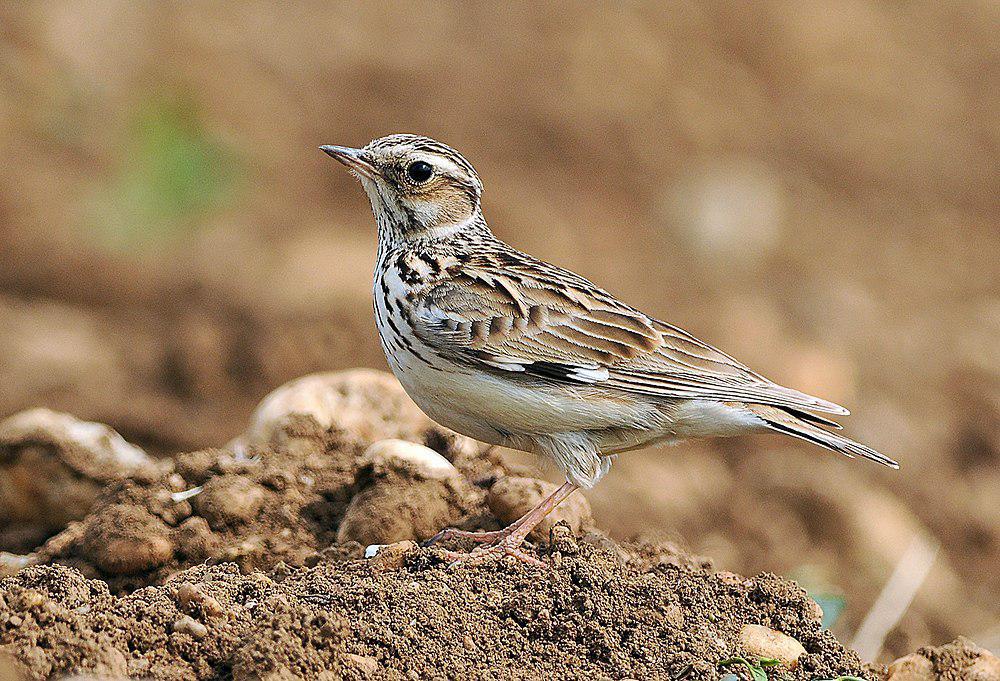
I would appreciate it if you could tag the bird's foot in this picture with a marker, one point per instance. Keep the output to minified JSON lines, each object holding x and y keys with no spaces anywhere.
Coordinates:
{"x":505,"y":542}
{"x":492,"y":537}
{"x":508,"y":546}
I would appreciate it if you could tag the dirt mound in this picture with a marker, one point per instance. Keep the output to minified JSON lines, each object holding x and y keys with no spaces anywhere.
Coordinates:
{"x":600,"y":612}
{"x":249,"y":562}
{"x":291,"y":554}
{"x":290,"y":489}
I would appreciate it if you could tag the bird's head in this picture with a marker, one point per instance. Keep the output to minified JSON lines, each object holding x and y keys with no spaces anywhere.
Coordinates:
{"x":419,"y":188}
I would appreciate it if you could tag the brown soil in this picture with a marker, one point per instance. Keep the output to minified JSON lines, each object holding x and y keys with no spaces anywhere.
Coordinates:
{"x":244,"y":575}
{"x":597,"y":613}
{"x":960,"y":660}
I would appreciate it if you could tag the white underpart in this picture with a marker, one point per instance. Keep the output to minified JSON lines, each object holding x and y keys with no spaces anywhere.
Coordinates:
{"x":707,"y":418}
{"x":578,"y":456}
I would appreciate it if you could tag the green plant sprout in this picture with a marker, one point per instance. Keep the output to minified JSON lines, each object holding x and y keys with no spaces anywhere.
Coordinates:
{"x":758,"y":669}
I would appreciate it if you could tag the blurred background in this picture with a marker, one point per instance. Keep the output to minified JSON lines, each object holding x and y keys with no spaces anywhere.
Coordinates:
{"x":810,"y":186}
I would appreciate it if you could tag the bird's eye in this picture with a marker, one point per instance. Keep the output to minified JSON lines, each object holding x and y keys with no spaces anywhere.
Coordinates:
{"x":419,"y":171}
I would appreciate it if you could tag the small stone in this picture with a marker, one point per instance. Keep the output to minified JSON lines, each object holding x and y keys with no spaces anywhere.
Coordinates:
{"x":371,"y":405}
{"x":190,"y":626}
{"x":912,"y":667}
{"x":11,"y":563}
{"x":390,"y":556}
{"x":53,"y":467}
{"x":189,"y":596}
{"x":364,"y":664}
{"x":409,"y":458}
{"x":763,"y":642}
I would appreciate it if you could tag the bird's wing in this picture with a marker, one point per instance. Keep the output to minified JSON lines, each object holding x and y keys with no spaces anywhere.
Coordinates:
{"x":513,"y":313}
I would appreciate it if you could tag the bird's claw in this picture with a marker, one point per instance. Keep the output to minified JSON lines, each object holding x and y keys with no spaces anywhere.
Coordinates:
{"x":487,"y":554}
{"x":477,"y":537}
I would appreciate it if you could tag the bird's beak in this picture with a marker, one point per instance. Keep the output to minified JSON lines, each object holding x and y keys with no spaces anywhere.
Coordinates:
{"x":352,"y":158}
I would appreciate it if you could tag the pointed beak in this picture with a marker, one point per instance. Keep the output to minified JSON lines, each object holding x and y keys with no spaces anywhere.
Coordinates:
{"x":352,"y":158}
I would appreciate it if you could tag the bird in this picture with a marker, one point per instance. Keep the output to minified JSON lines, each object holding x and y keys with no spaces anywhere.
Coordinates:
{"x":514,"y":351}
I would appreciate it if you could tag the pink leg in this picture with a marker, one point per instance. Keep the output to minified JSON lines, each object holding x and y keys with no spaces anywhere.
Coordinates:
{"x":506,"y":542}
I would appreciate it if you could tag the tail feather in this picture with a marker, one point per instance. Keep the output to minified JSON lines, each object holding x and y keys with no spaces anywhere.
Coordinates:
{"x":796,"y":425}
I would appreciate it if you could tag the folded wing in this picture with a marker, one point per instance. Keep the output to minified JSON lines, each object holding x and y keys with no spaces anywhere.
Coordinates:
{"x":523,"y":316}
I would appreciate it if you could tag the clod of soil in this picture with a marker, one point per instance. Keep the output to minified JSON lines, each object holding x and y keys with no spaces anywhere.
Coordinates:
{"x":960,"y":660}
{"x":405,"y":491}
{"x":52,"y":468}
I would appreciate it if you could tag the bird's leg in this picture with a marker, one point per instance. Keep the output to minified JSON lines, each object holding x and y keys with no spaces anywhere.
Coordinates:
{"x":507,"y":542}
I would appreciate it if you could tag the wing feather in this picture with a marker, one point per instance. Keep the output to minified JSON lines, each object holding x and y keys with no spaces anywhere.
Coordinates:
{"x":521,"y":315}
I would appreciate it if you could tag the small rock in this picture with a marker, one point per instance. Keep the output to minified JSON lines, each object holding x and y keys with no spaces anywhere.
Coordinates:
{"x":763,"y":642}
{"x":369,"y":404}
{"x":53,"y":466}
{"x":229,"y":500}
{"x":511,"y":497}
{"x":389,"y":556}
{"x":188,"y":596}
{"x":12,"y":562}
{"x":387,"y":456}
{"x":97,"y":450}
{"x":190,"y":626}
{"x":913,"y":667}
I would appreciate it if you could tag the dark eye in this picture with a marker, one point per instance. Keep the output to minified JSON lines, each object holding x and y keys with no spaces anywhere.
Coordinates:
{"x":419,"y":171}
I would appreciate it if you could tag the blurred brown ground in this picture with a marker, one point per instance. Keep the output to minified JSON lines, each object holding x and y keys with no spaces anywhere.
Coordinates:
{"x":811,"y":186}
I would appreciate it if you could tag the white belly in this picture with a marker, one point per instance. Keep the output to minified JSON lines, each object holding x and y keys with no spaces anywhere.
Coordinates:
{"x":492,"y":407}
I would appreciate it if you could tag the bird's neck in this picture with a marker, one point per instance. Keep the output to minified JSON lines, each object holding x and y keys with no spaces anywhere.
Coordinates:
{"x":398,"y":232}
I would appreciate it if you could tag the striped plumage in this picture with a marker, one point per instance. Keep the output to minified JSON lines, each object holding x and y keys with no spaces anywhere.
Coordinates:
{"x":512,"y":350}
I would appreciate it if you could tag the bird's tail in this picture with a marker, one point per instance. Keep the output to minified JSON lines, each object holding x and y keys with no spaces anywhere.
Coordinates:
{"x":797,"y":425}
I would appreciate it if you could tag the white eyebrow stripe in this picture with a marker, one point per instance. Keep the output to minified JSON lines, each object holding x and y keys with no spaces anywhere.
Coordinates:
{"x":439,"y":163}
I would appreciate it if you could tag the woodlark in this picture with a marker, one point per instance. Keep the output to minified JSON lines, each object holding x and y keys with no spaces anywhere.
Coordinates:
{"x":514,"y":351}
